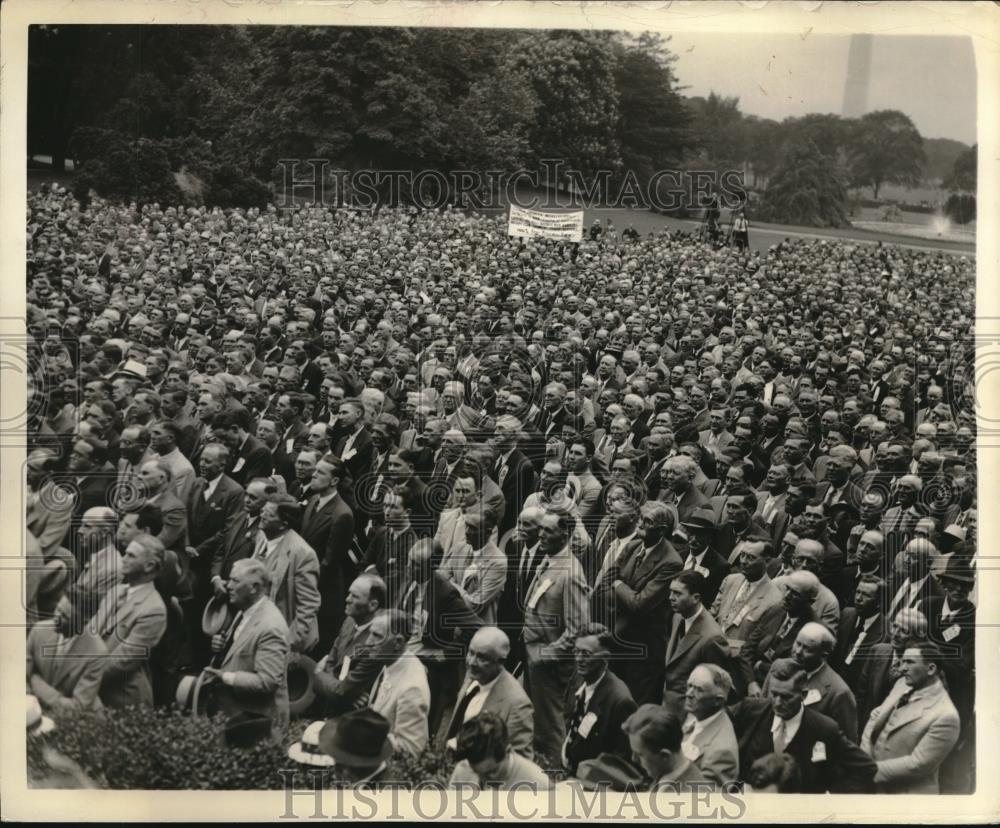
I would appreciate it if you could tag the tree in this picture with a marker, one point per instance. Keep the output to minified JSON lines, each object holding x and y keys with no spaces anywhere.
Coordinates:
{"x":964,"y":175}
{"x":886,"y":148}
{"x":654,"y":123}
{"x":720,"y":132}
{"x":806,"y":190}
{"x":572,"y":74}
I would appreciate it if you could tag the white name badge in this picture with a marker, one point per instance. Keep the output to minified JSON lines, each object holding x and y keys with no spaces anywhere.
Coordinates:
{"x":691,"y":751}
{"x":345,"y":668}
{"x":812,"y":697}
{"x":289,"y":445}
{"x":701,"y":571}
{"x":542,"y":588}
{"x":819,"y":752}
{"x":240,"y":464}
{"x":587,"y":724}
{"x":952,"y":632}
{"x":348,"y":454}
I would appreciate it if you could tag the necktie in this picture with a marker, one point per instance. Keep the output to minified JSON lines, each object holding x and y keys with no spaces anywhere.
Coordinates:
{"x":780,"y":742}
{"x":738,"y":601}
{"x":900,"y":600}
{"x":785,"y":628}
{"x":376,"y":687}
{"x":261,"y":551}
{"x":902,"y":701}
{"x":459,"y":718}
{"x":688,"y":727}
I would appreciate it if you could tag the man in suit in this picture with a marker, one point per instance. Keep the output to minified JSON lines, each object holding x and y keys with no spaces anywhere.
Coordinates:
{"x":861,"y":628}
{"x":294,"y":434}
{"x":739,"y":526}
{"x":716,"y":437}
{"x":328,"y":528}
{"x":490,"y":688}
{"x":252,"y":675}
{"x":882,"y":668}
{"x":344,"y":676}
{"x":240,"y":540}
{"x":915,"y":582}
{"x":838,"y":487}
{"x":65,"y":657}
{"x":655,"y":738}
{"x":775,"y":632}
{"x":249,"y":457}
{"x":826,"y":692}
{"x":659,"y":448}
{"x":512,"y":471}
{"x":214,"y":505}
{"x":389,"y":545}
{"x":405,"y":482}
{"x":911,"y":734}
{"x":355,"y":448}
{"x":578,"y":459}
{"x":679,"y":489}
{"x":131,"y":621}
{"x":632,"y":595}
{"x":443,"y":625}
{"x":524,"y":554}
{"x":479,"y":569}
{"x":155,"y":480}
{"x":771,"y":497}
{"x":695,"y":637}
{"x":702,"y":530}
{"x":101,"y":561}
{"x":827,"y":759}
{"x":451,"y":524}
{"x":557,"y":608}
{"x":91,"y":477}
{"x":808,"y":557}
{"x":486,"y":759}
{"x":709,"y":738}
{"x":745,"y":596}
{"x":400,"y":692}
{"x":293,"y":569}
{"x":599,"y":706}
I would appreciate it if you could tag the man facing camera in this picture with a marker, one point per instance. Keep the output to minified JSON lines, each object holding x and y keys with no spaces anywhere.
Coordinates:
{"x":780,"y":723}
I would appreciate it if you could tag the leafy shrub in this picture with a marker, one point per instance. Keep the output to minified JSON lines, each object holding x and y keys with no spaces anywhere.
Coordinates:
{"x":166,"y":749}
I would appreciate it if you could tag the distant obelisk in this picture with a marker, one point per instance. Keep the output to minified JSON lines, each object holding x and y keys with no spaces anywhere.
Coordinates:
{"x":859,"y":70}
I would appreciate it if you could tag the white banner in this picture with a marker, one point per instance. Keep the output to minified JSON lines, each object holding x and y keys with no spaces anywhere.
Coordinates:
{"x":535,"y":224}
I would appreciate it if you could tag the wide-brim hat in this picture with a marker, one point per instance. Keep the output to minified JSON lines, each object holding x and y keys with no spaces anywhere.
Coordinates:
{"x":301,"y":683}
{"x":307,"y":751}
{"x":216,"y":616}
{"x":194,"y":694}
{"x":357,"y":739}
{"x":957,"y":568}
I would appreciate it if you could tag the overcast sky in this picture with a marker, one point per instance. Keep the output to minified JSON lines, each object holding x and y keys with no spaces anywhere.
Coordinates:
{"x":931,"y":79}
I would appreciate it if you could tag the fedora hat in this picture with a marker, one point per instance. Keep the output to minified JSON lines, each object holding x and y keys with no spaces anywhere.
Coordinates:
{"x":958,"y":569}
{"x":357,"y":739}
{"x":608,"y":770}
{"x":701,"y":520}
{"x":307,"y":751}
{"x":301,"y":686}
{"x":216,"y":616}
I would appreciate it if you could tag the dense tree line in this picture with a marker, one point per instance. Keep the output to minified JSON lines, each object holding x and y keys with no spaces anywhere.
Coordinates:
{"x":205,"y":113}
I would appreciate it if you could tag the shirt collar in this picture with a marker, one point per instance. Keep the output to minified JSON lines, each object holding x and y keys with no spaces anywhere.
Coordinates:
{"x":790,"y":724}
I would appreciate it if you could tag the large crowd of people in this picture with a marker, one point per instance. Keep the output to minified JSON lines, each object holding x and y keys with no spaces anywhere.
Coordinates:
{"x":638,"y":509}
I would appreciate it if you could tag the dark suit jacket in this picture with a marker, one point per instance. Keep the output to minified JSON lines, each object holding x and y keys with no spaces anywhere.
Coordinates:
{"x":237,"y":543}
{"x":284,"y":460}
{"x":847,"y":635}
{"x":342,"y":690}
{"x":330,"y":532}
{"x":209,"y":521}
{"x":764,"y":645}
{"x":514,"y":478}
{"x":612,"y":704}
{"x":360,"y":461}
{"x":638,"y":611}
{"x":703,"y":643}
{"x":957,"y":640}
{"x":717,"y":568}
{"x":874,"y":682}
{"x":388,"y":555}
{"x":449,"y":622}
{"x":840,"y":766}
{"x":252,"y":460}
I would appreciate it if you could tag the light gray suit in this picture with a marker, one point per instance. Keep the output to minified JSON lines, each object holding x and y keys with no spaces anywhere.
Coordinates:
{"x":130,"y":624}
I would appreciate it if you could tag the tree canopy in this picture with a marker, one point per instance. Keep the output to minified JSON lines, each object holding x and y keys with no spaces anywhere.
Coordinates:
{"x":886,"y":148}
